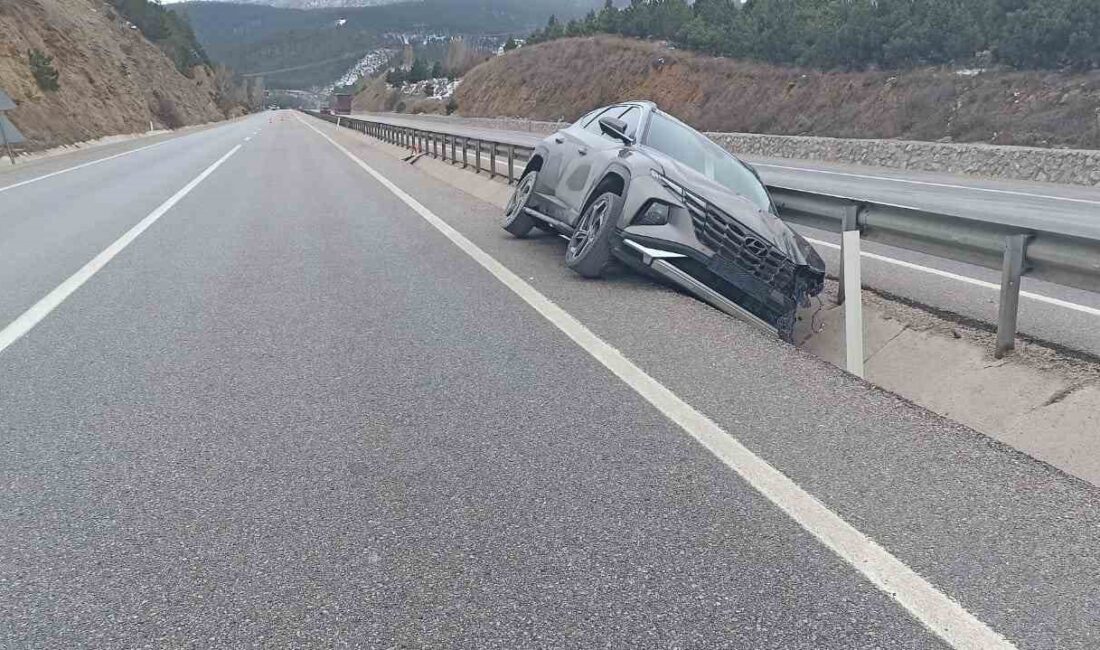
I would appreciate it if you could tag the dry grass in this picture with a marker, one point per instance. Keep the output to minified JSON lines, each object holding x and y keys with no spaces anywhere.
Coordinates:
{"x":563,"y":79}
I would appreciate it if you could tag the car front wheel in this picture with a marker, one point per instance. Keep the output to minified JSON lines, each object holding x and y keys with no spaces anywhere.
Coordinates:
{"x":516,"y":220}
{"x":589,"y":250}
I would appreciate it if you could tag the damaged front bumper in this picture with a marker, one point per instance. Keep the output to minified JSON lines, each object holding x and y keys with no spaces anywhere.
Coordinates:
{"x":662,"y":263}
{"x":727,"y":282}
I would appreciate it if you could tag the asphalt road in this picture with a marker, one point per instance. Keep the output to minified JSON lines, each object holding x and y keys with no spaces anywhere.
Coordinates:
{"x":1065,"y":316}
{"x":292,"y":412}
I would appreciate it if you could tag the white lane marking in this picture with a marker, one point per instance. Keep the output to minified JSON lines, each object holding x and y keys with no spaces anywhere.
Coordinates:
{"x":81,"y":166}
{"x":932,"y":184}
{"x":942,"y":615}
{"x":28,"y":319}
{"x":1038,"y":297}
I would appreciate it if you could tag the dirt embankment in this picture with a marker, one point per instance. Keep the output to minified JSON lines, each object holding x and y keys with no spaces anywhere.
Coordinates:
{"x":111,"y":79}
{"x":564,"y":78}
{"x":377,"y":97}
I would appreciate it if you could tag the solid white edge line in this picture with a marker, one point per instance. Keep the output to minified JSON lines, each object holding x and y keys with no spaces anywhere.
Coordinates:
{"x":930,"y":183}
{"x":1038,"y":297}
{"x":82,"y":166}
{"x":937,"y":611}
{"x":28,"y":319}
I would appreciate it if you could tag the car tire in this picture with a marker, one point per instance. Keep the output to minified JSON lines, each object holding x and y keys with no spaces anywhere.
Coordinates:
{"x":589,"y":250}
{"x":517,"y":222}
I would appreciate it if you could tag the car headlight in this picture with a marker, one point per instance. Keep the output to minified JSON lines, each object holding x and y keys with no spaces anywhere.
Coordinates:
{"x":654,"y":214}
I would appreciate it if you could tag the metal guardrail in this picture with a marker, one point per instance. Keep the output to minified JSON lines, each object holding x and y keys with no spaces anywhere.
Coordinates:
{"x":1052,"y":252}
{"x":481,"y":154}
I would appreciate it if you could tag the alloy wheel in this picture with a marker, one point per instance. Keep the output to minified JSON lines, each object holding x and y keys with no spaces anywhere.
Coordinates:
{"x":590,"y":224}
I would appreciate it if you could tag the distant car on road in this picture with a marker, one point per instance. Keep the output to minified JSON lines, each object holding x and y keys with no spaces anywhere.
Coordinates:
{"x":633,"y":183}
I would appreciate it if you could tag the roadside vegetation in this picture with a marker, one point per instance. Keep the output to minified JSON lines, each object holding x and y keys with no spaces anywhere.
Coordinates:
{"x":45,"y":75}
{"x":861,"y":34}
{"x":169,"y":30}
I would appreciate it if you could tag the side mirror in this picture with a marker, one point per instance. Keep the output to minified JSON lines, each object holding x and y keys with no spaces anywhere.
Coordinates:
{"x":615,"y":128}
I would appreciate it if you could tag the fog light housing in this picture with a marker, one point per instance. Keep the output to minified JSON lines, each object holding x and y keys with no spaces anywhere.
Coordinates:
{"x":654,"y":214}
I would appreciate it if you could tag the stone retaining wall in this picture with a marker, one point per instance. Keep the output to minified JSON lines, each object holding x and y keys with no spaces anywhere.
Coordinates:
{"x":1067,"y":166}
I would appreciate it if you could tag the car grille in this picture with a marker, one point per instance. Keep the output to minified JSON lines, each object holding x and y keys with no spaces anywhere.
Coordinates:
{"x":737,"y":245}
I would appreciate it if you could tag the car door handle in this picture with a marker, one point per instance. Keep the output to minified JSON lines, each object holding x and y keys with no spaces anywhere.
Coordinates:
{"x":583,"y":151}
{"x":559,"y":140}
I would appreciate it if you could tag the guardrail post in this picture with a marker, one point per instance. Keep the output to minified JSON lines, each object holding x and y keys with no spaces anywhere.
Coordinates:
{"x":492,"y":160}
{"x":453,"y":138}
{"x":465,"y":146}
{"x":477,"y":157}
{"x":1011,"y":272}
{"x":850,"y":292}
{"x":511,"y":163}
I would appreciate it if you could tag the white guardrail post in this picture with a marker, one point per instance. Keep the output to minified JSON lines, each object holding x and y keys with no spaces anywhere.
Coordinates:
{"x":850,"y":292}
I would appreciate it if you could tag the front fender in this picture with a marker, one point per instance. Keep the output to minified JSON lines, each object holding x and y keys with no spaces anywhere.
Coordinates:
{"x":618,"y":168}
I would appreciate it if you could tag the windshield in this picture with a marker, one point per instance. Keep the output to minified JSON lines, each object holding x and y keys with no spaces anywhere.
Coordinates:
{"x":694,"y":150}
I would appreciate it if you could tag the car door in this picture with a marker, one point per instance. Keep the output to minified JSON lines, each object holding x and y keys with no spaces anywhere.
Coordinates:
{"x":582,"y":161}
{"x":560,"y":151}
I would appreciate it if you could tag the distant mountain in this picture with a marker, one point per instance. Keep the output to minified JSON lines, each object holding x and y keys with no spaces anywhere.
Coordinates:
{"x":314,"y":4}
{"x":304,"y":48}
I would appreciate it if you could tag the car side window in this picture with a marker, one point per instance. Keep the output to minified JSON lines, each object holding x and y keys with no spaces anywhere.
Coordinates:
{"x":632,"y":117}
{"x":593,"y":126}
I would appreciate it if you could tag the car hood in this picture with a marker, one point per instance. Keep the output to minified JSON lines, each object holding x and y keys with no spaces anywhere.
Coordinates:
{"x":763,"y":223}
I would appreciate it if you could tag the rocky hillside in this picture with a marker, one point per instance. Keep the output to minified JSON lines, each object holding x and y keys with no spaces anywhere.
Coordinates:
{"x":564,"y":78}
{"x":110,"y":79}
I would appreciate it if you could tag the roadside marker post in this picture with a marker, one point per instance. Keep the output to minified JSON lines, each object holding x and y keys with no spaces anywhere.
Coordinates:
{"x":851,"y":288}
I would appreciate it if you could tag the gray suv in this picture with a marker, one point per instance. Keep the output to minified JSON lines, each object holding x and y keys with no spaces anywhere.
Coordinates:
{"x":633,"y":183}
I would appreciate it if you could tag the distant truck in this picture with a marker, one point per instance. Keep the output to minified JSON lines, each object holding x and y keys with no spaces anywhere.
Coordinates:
{"x":341,"y":104}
